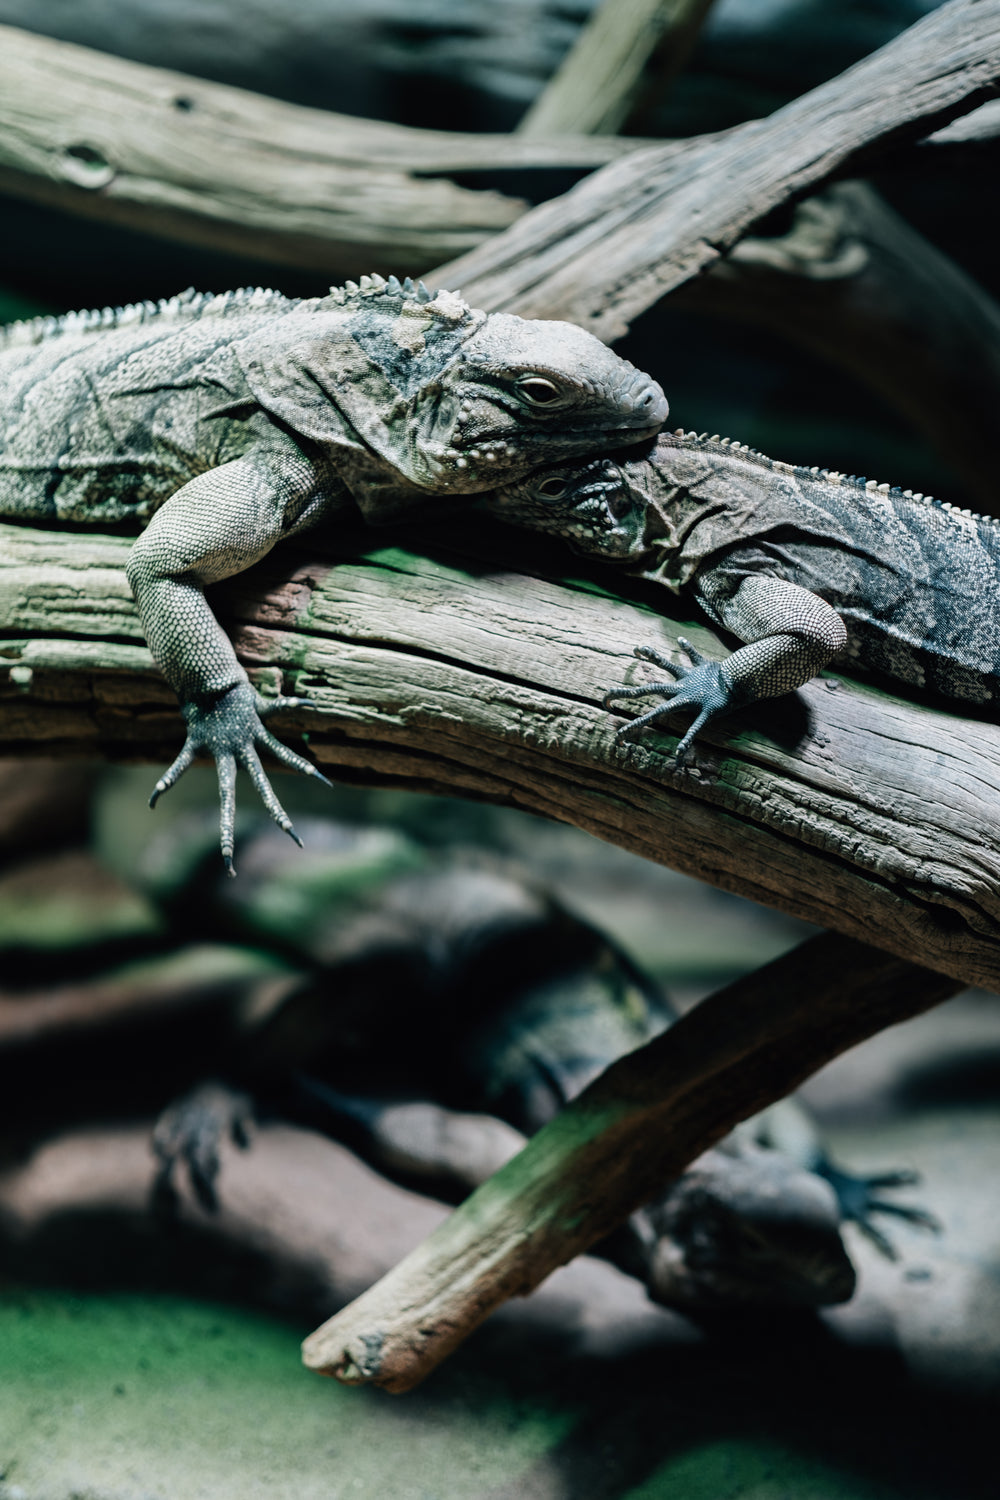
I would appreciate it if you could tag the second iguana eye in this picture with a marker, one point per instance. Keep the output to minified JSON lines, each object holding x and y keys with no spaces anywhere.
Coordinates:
{"x":552,"y":488}
{"x":538,"y":391}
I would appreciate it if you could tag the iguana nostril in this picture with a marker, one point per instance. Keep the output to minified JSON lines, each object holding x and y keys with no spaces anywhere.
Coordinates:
{"x":645,"y":401}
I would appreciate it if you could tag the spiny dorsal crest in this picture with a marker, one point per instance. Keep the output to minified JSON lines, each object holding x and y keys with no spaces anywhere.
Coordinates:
{"x":186,"y":305}
{"x":446,"y":307}
{"x":449,"y":307}
{"x":834,"y":476}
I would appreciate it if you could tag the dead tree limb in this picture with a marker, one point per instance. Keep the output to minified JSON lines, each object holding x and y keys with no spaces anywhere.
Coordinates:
{"x":850,"y":281}
{"x":638,"y":1125}
{"x":614,"y":245}
{"x":207,"y":164}
{"x":218,"y":166}
{"x":861,"y":812}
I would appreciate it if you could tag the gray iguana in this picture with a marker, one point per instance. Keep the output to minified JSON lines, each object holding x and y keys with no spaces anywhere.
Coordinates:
{"x":804,"y":565}
{"x":224,"y":424}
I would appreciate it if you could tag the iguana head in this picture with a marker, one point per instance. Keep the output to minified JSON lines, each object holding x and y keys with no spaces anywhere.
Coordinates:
{"x":523,"y":392}
{"x":614,"y":507}
{"x":446,"y":397}
{"x":746,"y":1229}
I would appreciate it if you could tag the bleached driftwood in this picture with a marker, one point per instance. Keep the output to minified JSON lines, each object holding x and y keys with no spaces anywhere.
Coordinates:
{"x":604,"y":252}
{"x":212,"y":165}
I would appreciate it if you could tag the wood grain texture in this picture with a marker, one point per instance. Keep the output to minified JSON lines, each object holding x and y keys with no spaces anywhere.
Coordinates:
{"x":218,"y":166}
{"x":624,"y":237}
{"x":638,"y":1125}
{"x":864,"y":813}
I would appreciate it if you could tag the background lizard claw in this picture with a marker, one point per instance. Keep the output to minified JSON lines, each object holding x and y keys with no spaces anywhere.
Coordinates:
{"x":858,"y":1202}
{"x":191,"y":1130}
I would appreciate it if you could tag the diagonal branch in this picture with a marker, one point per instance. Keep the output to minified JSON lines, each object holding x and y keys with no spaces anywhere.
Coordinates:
{"x":606,"y":251}
{"x":637,"y":1126}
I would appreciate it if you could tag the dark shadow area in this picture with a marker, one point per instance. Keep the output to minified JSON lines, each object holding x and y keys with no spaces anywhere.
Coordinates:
{"x":964,"y":1078}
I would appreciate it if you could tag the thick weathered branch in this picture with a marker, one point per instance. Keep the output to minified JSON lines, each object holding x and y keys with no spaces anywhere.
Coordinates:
{"x":861,"y":812}
{"x":638,"y":1125}
{"x":606,"y":251}
{"x":218,"y":166}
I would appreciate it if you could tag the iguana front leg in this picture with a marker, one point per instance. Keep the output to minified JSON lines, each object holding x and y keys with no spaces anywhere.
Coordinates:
{"x":217,"y":525}
{"x":791,"y":633}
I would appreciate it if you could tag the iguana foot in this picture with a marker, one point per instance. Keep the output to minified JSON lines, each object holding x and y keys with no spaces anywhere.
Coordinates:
{"x":703,"y":686}
{"x":858,"y":1200}
{"x":228,"y":728}
{"x":191,"y":1130}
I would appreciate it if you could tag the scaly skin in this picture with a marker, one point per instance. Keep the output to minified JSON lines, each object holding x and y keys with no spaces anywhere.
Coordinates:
{"x":224,"y":424}
{"x":807,"y":566}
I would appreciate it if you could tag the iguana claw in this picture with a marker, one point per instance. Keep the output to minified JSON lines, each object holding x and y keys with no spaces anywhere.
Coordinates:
{"x":192,"y":1130}
{"x":227,"y":728}
{"x":857,"y":1200}
{"x":703,"y":686}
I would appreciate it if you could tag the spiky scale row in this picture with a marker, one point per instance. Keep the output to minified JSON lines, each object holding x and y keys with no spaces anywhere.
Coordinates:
{"x":835,"y":476}
{"x":379,"y":286}
{"x":186,"y":304}
{"x":193,"y":304}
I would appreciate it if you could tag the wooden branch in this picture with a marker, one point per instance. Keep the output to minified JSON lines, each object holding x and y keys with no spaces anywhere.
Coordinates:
{"x":598,"y":82}
{"x":211,"y":165}
{"x":864,"y":813}
{"x":637,"y":1126}
{"x":980,"y":127}
{"x":855,"y":284}
{"x":218,"y":166}
{"x":606,"y":251}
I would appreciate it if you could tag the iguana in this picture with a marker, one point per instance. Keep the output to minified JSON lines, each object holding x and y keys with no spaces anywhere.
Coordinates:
{"x":806,"y":566}
{"x":222,"y":424}
{"x":453,"y":1007}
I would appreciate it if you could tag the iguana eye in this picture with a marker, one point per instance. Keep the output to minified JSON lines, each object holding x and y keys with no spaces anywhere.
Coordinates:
{"x":537,"y":391}
{"x":552,"y":488}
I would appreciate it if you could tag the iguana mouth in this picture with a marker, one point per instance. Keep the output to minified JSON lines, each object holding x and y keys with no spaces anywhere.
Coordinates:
{"x":501,"y":439}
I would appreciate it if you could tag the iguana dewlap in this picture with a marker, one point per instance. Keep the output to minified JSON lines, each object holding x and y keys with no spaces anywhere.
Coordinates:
{"x":224,"y":424}
{"x":807,"y":566}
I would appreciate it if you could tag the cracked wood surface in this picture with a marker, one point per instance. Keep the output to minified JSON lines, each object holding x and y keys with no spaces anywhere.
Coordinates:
{"x":208,"y":164}
{"x":862,"y":812}
{"x":604,"y":252}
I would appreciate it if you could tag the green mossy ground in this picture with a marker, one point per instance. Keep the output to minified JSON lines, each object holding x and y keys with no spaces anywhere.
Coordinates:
{"x":147,"y":1397}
